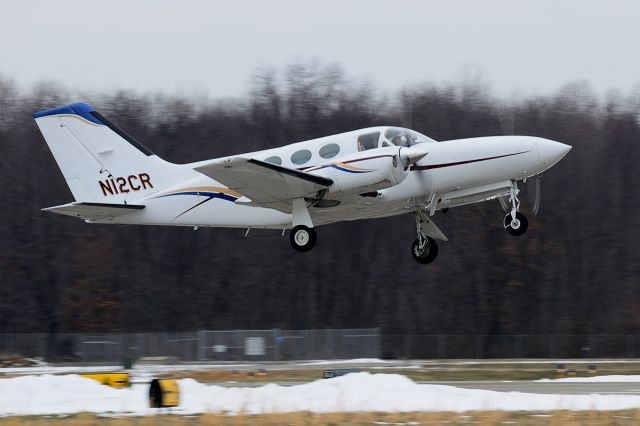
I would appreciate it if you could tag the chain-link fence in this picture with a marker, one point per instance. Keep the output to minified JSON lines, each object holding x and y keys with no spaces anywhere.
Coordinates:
{"x":510,"y":346}
{"x":237,"y":345}
{"x":282,"y":345}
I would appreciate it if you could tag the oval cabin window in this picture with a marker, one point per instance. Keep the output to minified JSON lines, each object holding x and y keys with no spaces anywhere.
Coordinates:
{"x":301,"y":157}
{"x":330,"y":150}
{"x":274,"y":160}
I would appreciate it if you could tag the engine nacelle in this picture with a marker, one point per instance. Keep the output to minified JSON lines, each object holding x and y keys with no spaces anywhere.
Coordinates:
{"x":364,"y":171}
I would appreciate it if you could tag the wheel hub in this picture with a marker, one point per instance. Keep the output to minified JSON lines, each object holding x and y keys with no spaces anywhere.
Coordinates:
{"x":302,"y":237}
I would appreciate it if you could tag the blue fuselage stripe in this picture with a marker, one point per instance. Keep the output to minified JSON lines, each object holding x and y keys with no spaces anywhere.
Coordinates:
{"x":342,"y":169}
{"x":204,"y":194}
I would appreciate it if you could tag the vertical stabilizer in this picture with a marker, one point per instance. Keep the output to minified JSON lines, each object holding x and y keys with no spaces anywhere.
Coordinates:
{"x":101,"y":162}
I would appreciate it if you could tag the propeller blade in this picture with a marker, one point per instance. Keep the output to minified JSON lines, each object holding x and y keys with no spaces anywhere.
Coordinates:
{"x":538,"y":197}
{"x":504,"y":204}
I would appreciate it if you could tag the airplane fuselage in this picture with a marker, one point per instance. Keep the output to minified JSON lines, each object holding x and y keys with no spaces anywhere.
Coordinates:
{"x":448,"y":175}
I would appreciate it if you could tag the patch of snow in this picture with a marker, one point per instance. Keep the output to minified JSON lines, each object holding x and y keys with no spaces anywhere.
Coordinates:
{"x":48,"y":394}
{"x":384,"y":393}
{"x":349,"y":361}
{"x":528,"y":361}
{"x":59,"y":370}
{"x":51,"y":394}
{"x":596,"y":379}
{"x":142,"y":370}
{"x":398,"y":367}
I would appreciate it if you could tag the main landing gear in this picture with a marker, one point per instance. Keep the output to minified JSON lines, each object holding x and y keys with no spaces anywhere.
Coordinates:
{"x":515,"y":222}
{"x":424,"y":249}
{"x":303,"y":238}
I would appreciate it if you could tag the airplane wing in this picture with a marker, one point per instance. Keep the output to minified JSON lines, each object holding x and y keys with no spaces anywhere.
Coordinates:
{"x":94,"y":211}
{"x":266,"y":184}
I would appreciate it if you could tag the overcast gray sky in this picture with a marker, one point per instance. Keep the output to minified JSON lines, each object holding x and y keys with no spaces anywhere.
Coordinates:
{"x":214,"y":46}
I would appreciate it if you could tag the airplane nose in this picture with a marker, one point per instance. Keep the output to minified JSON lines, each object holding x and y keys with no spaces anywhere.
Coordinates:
{"x":550,"y":152}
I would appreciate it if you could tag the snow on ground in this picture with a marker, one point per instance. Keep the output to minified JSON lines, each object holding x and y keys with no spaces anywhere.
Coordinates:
{"x":59,"y":370}
{"x":595,"y":379}
{"x":47,"y":394}
{"x":528,"y":361}
{"x":142,"y":370}
{"x":55,"y":394}
{"x":349,"y":361}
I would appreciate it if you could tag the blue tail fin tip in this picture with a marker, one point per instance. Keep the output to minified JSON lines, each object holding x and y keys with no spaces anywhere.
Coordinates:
{"x":81,"y":109}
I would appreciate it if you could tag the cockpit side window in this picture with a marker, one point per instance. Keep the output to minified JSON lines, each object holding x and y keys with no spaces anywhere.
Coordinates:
{"x":405,"y":137}
{"x":368,"y":141}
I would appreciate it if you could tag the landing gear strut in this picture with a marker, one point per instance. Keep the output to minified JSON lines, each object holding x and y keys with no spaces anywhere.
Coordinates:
{"x":424,"y":249}
{"x":515,"y":222}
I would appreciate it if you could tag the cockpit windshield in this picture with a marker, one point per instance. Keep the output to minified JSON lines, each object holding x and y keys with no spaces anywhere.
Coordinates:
{"x":405,"y":137}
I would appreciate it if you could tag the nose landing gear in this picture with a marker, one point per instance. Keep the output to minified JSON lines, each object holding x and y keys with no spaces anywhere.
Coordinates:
{"x":515,"y":222}
{"x":517,"y":226}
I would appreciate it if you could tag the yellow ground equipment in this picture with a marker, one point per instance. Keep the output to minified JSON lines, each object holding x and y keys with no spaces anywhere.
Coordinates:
{"x":115,"y":380}
{"x":164,"y":393}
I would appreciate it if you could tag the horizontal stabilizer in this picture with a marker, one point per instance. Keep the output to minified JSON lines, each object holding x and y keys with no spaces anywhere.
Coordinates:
{"x":265,"y":184}
{"x":94,"y":211}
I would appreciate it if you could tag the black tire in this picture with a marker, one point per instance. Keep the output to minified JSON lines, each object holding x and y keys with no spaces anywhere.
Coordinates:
{"x":523,"y":224}
{"x":430,"y":254}
{"x":303,"y":238}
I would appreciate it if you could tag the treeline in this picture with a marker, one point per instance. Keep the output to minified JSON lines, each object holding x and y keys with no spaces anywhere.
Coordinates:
{"x":576,"y":270}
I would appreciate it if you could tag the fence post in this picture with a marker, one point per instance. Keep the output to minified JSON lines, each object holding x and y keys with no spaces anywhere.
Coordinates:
{"x":328,"y":344}
{"x":276,"y":344}
{"x":378,"y":342}
{"x":201,"y":344}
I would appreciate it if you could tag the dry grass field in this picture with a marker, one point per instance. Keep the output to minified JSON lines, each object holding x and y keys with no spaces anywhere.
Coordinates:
{"x":556,"y":418}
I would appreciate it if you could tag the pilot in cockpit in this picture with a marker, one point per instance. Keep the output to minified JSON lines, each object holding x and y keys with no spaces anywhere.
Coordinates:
{"x":400,"y":140}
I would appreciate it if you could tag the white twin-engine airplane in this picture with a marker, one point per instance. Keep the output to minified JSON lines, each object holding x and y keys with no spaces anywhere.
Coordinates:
{"x":363,"y":174}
